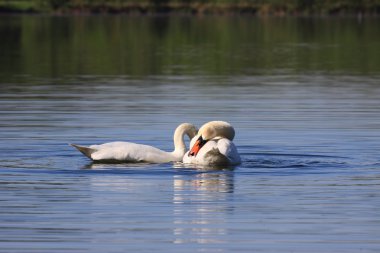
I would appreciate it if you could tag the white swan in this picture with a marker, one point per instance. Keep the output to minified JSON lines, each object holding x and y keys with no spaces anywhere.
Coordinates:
{"x":132,"y":152}
{"x":213,"y":145}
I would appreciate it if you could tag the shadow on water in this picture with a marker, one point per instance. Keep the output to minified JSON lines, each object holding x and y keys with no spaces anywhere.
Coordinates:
{"x":252,"y":163}
{"x":176,"y":168}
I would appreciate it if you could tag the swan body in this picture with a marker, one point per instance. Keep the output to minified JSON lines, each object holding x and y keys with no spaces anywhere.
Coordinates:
{"x":213,"y":145}
{"x":132,"y":152}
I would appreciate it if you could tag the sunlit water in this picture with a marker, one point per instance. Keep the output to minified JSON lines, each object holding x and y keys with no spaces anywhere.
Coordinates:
{"x":308,"y":135}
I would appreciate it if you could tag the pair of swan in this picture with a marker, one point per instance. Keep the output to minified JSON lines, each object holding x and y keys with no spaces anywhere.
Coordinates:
{"x":211,"y":145}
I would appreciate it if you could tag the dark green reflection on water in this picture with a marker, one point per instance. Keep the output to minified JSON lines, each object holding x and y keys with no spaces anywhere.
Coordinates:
{"x":54,"y":47}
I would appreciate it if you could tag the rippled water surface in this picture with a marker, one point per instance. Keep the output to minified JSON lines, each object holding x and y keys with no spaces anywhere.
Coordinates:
{"x":302,"y":94}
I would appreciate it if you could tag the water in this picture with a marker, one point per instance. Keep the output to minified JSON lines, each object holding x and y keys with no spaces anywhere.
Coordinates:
{"x":303,"y":95}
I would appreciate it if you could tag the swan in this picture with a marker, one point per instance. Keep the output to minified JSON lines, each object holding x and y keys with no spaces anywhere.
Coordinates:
{"x":132,"y":152}
{"x":213,"y":145}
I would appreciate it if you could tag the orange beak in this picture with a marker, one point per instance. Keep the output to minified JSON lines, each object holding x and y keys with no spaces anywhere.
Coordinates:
{"x":197,"y":146}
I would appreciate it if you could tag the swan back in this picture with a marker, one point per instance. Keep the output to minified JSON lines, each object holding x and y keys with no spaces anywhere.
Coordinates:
{"x":133,"y":152}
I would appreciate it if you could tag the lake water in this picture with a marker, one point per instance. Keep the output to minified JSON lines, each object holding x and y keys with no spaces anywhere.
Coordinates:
{"x":302,"y":94}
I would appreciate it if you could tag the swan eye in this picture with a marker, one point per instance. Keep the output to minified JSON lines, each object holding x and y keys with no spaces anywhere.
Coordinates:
{"x":197,"y":146}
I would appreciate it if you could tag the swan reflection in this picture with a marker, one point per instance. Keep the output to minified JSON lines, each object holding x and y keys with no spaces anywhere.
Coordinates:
{"x":201,"y":206}
{"x":116,"y":165}
{"x":204,"y":182}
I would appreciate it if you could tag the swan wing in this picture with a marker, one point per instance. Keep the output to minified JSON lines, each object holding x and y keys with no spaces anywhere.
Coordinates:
{"x":229,"y":150}
{"x":200,"y":157}
{"x":207,"y":155}
{"x":216,"y":151}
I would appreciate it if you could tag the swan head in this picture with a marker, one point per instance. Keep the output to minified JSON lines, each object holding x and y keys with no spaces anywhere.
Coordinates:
{"x":211,"y":130}
{"x":186,"y":128}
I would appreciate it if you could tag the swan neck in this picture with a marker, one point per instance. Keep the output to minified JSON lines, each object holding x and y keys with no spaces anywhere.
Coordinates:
{"x":179,"y":142}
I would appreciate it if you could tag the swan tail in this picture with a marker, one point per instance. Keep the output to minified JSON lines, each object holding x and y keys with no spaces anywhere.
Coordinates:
{"x":84,"y":150}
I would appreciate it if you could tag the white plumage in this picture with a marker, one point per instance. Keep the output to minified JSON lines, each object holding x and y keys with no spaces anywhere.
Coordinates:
{"x":213,"y":145}
{"x":132,"y":152}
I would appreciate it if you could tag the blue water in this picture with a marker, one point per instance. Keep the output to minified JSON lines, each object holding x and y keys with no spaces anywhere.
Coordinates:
{"x":309,"y":179}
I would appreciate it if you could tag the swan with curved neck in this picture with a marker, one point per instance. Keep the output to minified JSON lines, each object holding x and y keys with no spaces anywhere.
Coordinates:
{"x":213,"y":145}
{"x":132,"y":152}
